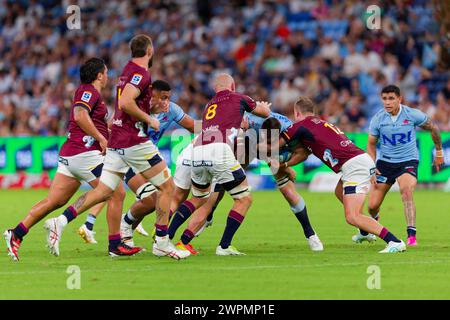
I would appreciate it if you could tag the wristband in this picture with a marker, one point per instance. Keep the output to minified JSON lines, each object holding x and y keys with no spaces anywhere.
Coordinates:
{"x":439,"y":153}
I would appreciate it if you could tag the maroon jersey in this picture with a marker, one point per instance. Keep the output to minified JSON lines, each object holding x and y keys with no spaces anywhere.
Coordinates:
{"x":223,"y":115}
{"x":78,"y":141}
{"x":324,"y":140}
{"x":127,"y":131}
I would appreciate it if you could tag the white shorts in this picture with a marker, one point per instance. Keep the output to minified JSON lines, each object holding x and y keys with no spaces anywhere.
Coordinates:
{"x":215,"y":161}
{"x":182,"y":175}
{"x":356,"y":174}
{"x":86,"y":166}
{"x":140,"y":157}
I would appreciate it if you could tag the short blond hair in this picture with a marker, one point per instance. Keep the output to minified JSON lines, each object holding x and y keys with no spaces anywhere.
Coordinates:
{"x":305,"y":104}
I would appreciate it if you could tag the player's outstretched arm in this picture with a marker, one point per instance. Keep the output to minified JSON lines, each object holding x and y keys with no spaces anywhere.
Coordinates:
{"x":82,"y":118}
{"x":127,"y":102}
{"x":437,"y":140}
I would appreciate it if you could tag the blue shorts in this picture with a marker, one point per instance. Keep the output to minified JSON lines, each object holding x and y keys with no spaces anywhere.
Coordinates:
{"x":391,"y":171}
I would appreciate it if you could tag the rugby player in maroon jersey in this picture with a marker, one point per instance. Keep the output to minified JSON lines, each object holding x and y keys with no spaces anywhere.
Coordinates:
{"x":129,"y":147}
{"x":80,"y":157}
{"x":334,"y":149}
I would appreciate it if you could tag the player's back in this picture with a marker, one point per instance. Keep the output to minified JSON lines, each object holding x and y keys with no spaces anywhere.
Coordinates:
{"x":324,"y":140}
{"x":127,"y":131}
{"x":255,"y":122}
{"x":223,"y":115}
{"x":78,"y":141}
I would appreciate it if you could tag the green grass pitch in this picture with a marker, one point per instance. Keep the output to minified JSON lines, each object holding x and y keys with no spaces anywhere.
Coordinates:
{"x":278,"y":264}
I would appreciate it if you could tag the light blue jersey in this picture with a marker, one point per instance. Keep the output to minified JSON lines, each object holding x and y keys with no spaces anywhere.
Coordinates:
{"x":397,"y":138}
{"x":255,"y":122}
{"x":175,"y":114}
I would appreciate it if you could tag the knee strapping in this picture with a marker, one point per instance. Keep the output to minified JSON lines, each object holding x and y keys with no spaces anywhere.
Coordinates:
{"x":144,"y":191}
{"x":283,"y":181}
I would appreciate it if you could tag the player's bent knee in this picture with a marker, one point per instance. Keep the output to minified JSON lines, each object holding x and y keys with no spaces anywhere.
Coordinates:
{"x":351,"y":220}
{"x":119,"y":194}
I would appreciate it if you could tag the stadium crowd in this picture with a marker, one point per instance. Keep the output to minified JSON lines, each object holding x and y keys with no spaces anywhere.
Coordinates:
{"x":276,"y":50}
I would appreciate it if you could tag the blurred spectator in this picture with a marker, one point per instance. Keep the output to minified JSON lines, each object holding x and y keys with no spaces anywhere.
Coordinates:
{"x":276,"y":50}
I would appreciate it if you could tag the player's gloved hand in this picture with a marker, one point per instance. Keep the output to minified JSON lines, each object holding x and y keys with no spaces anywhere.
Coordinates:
{"x":104,"y":145}
{"x":154,"y":123}
{"x":438,"y":160}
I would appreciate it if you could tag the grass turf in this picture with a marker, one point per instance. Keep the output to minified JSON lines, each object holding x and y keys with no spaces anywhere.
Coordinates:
{"x":278,"y":264}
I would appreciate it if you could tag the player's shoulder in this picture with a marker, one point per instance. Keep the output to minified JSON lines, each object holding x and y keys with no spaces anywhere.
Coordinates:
{"x":136,"y":73}
{"x":86,"y":92}
{"x":412,"y":111}
{"x":378,"y":116}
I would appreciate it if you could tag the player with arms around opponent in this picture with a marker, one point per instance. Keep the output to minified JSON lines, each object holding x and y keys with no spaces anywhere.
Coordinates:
{"x":213,"y":157}
{"x":333,"y":148}
{"x":394,"y":128}
{"x":129,"y":146}
{"x":81,"y":155}
{"x":255,"y":126}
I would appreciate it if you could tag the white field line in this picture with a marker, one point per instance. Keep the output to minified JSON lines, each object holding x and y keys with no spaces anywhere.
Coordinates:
{"x":225,"y":268}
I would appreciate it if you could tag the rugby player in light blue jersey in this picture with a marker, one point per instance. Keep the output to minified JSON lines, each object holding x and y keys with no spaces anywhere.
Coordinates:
{"x":394,"y":128}
{"x":144,"y":190}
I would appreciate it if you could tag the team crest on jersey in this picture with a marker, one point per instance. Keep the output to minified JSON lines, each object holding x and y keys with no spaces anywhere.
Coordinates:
{"x":86,"y":96}
{"x":136,"y":79}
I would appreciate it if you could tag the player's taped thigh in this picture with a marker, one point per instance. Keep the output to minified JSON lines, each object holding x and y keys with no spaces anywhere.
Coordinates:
{"x":239,"y":192}
{"x":160,"y":178}
{"x":144,"y":191}
{"x":111,"y":180}
{"x":201,"y":191}
{"x":283,"y":181}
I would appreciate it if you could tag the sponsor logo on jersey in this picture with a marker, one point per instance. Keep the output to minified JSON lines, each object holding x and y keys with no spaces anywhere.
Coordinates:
{"x":397,"y":138}
{"x":346,"y":143}
{"x":86,"y":96}
{"x":117,"y":122}
{"x":136,"y":79}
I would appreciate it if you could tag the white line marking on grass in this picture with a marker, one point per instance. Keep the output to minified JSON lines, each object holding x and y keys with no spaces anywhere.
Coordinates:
{"x":202,"y":268}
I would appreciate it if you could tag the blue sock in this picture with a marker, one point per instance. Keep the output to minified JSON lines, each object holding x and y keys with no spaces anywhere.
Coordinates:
{"x":302,"y":216}
{"x":187,"y":236}
{"x":20,"y":231}
{"x":161,"y":230}
{"x":234,"y":221}
{"x":114,"y":241}
{"x":90,"y":221}
{"x":183,"y":213}
{"x":387,"y":236}
{"x":411,"y":231}
{"x":70,"y":213}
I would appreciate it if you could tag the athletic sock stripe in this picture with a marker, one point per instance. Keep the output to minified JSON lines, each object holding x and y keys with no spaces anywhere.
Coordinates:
{"x":236,"y":216}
